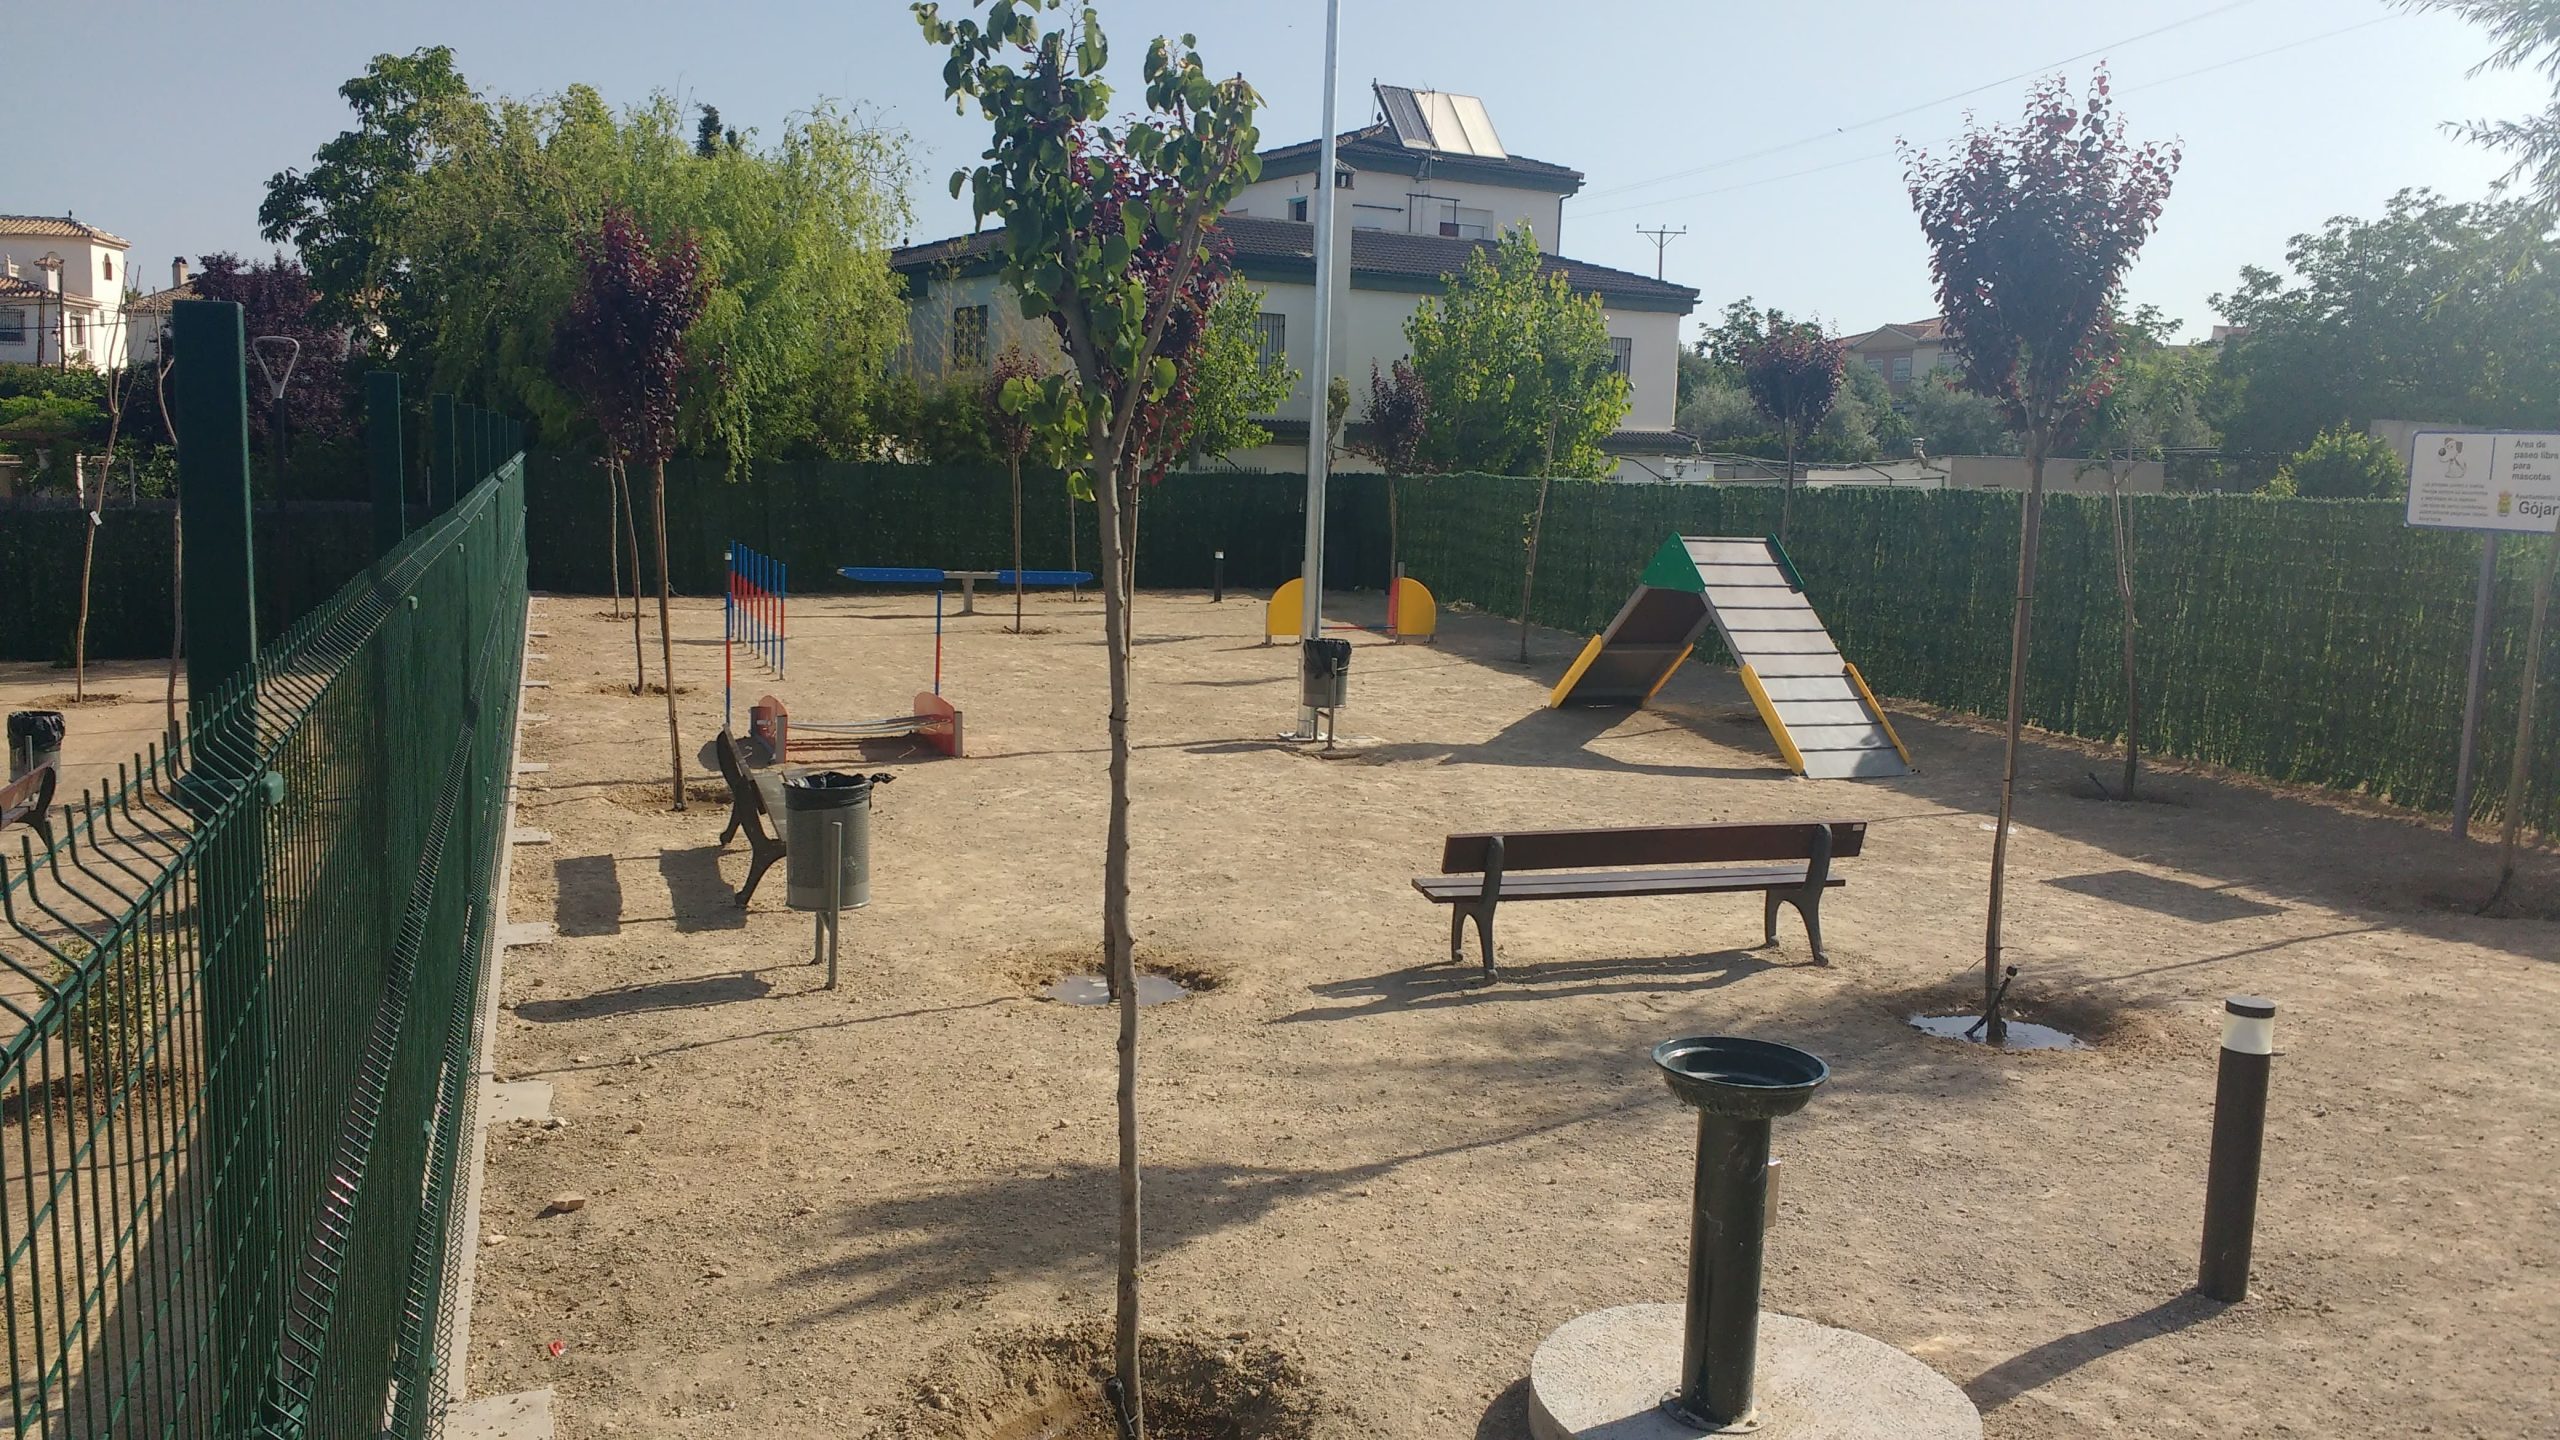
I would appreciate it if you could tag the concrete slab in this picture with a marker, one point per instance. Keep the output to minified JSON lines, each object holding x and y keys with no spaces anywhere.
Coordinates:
{"x":527,"y":932}
{"x":537,"y":684}
{"x":533,"y":767}
{"x":518,"y":1100}
{"x":523,"y":835}
{"x":1603,"y":1376}
{"x":522,"y":1416}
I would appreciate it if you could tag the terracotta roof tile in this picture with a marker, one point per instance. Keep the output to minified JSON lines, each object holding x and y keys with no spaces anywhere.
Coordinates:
{"x":59,"y":225}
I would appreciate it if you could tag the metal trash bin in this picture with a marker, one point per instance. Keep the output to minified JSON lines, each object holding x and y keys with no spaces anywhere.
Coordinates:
{"x":1324,"y":673}
{"x":812,"y":800}
{"x":35,"y":740}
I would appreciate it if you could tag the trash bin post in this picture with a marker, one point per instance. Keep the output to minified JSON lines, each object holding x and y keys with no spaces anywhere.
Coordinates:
{"x":833,"y":916}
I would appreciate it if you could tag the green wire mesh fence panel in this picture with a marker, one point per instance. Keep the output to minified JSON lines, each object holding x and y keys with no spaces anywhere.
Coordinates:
{"x":248,"y":1226}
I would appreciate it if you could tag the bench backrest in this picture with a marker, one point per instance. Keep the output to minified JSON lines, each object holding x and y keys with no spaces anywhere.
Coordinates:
{"x":1651,"y":845}
{"x":28,"y":797}
{"x":733,"y":768}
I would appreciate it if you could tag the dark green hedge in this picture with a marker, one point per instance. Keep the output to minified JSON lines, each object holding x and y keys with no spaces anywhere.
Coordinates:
{"x":2319,"y":642}
{"x":305,"y":551}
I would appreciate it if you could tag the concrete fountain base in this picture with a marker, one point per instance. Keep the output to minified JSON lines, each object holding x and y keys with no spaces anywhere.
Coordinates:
{"x":1603,"y":1376}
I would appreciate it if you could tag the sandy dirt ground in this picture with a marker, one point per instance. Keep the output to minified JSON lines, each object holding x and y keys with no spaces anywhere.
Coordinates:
{"x":804,"y":1206}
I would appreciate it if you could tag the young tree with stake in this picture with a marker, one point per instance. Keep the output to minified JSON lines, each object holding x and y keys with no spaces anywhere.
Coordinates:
{"x":1105,"y":229}
{"x":624,"y":334}
{"x":1013,"y":435}
{"x":2030,"y":233}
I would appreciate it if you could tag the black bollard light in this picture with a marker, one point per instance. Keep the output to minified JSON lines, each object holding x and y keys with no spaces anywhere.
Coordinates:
{"x":2239,"y":1143}
{"x":1217,"y":576}
{"x":1737,"y":1087}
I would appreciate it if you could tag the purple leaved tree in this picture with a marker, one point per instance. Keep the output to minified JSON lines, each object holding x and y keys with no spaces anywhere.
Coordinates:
{"x":1794,"y":373}
{"x":622,"y":346}
{"x":2030,"y":232}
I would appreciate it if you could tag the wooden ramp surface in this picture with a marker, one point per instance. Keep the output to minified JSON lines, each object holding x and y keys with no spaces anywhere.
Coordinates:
{"x":1806,"y":691}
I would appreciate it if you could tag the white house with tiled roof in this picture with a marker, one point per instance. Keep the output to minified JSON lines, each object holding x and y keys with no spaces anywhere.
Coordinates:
{"x":1427,"y":185}
{"x":62,"y":292}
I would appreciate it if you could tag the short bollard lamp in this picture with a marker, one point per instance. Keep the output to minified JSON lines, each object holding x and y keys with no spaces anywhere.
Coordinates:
{"x":1737,"y":1086}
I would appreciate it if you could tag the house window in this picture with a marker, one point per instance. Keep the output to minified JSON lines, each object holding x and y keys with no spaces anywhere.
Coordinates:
{"x":107,"y":266}
{"x":1622,"y":353}
{"x":969,"y":337}
{"x":1298,"y":208}
{"x":13,"y":327}
{"x":1341,"y":179}
{"x":1875,"y":363}
{"x":1901,"y":369}
{"x":1270,"y":340}
{"x":79,"y":330}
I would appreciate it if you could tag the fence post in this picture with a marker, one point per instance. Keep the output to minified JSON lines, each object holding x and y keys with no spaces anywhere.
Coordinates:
{"x":443,"y":453}
{"x":209,"y":344}
{"x":382,"y":455}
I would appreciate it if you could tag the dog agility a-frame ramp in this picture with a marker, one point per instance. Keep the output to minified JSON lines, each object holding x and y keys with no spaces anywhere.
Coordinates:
{"x":1817,"y":706}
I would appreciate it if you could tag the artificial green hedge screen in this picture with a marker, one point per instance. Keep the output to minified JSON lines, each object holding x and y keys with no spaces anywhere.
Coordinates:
{"x":2309,"y":641}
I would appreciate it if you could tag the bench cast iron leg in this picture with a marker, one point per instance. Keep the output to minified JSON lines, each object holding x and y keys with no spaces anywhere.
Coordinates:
{"x":1810,"y":907}
{"x":1769,"y":919}
{"x":1457,"y":933}
{"x":764,"y":858}
{"x":1808,"y":903}
{"x":1484,"y":933}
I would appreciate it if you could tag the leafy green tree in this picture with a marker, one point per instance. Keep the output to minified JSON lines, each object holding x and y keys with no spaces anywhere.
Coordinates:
{"x":2030,"y":232}
{"x":346,"y":213}
{"x":2527,"y":33}
{"x":1517,"y":367}
{"x":2436,"y":311}
{"x":1947,"y":419}
{"x":1231,"y":387}
{"x":2164,"y":396}
{"x":1107,"y":228}
{"x":1017,"y":437}
{"x":2343,"y":464}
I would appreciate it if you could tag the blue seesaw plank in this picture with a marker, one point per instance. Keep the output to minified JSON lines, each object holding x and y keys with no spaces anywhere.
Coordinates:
{"x":1046,"y":577}
{"x":891,"y":575}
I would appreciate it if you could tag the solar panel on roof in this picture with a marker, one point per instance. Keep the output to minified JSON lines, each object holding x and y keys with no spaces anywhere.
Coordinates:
{"x":1404,"y":116}
{"x":1460,"y":126}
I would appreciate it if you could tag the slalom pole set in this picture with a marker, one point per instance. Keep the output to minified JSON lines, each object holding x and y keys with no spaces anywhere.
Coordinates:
{"x":755,"y":614}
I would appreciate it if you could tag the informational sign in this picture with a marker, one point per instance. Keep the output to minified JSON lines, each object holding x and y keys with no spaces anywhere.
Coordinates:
{"x":2485,"y":480}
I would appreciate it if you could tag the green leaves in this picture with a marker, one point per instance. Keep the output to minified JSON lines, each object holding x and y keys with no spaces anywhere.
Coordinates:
{"x":1516,"y":366}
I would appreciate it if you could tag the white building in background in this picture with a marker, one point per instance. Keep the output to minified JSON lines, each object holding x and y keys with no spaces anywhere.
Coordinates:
{"x":62,"y":292}
{"x":147,"y":318}
{"x":1418,"y":191}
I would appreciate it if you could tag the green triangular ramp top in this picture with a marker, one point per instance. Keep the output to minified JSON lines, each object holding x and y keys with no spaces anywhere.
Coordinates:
{"x":1672,"y":569}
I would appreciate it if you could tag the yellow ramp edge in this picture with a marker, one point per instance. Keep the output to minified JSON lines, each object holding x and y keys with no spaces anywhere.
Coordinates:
{"x":1860,"y":681}
{"x":1682,"y":659}
{"x":1573,"y":676}
{"x":1769,"y":716}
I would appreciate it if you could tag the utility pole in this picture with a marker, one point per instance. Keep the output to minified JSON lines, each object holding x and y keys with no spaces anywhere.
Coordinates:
{"x":1320,"y":375}
{"x":1661,"y":239}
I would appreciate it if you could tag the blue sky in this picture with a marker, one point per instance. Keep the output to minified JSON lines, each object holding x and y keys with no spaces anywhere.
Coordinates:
{"x":1667,"y":105}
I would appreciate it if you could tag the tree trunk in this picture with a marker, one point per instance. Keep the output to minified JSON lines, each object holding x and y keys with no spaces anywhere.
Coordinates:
{"x":1787,"y":489}
{"x":631,"y":537}
{"x":613,"y":534}
{"x":666,"y":645}
{"x":2123,"y":517}
{"x":1537,"y":527}
{"x":1395,"y":541}
{"x":2030,"y":534}
{"x":1014,"y":464}
{"x":88,"y":559}
{"x":1118,"y":946}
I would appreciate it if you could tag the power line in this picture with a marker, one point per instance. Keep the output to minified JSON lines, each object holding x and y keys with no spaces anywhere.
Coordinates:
{"x":2045,"y":68}
{"x":1873,"y":158}
{"x":1661,"y":239}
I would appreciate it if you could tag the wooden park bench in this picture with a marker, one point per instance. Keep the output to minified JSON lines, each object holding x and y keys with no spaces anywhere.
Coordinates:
{"x":1789,"y":864}
{"x":28,"y":801}
{"x":747,"y":812}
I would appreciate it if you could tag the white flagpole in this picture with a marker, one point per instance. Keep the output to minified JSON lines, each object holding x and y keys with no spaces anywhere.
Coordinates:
{"x":1320,"y":373}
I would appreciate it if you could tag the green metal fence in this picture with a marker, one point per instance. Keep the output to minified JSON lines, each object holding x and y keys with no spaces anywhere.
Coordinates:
{"x":245,"y":978}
